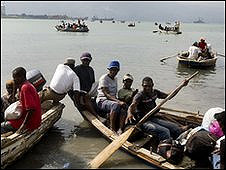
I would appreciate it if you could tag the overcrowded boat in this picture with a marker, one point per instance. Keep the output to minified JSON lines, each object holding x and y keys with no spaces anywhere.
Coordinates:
{"x":14,"y":145}
{"x":197,"y":63}
{"x":77,"y":29}
{"x":144,"y":146}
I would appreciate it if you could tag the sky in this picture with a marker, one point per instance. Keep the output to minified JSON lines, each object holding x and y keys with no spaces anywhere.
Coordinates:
{"x":185,"y":11}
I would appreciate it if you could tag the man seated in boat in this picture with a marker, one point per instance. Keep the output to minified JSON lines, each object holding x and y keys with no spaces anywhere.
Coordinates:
{"x":30,"y":118}
{"x":161,"y":27}
{"x":194,"y":51}
{"x":206,"y":54}
{"x":202,"y":44}
{"x":106,"y":98}
{"x":9,"y":97}
{"x":127,"y":93}
{"x":143,"y":102}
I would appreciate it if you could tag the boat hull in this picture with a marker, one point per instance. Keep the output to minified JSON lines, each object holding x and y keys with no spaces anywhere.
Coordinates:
{"x":82,"y":29}
{"x":197,"y":64}
{"x":15,"y":145}
{"x":141,"y":152}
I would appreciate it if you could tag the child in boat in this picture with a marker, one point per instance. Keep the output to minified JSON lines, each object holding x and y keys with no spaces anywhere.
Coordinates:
{"x":8,"y":98}
{"x":127,"y":93}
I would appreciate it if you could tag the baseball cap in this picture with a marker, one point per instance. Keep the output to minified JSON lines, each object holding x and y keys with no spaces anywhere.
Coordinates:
{"x":86,"y":55}
{"x":114,"y":64}
{"x":127,"y":76}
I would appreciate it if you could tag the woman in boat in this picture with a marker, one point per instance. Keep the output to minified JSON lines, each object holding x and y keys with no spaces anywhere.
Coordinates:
{"x":107,"y":100}
{"x":144,"y":102}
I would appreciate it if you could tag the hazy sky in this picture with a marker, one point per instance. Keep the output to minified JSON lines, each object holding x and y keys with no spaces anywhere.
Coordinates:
{"x":185,"y":11}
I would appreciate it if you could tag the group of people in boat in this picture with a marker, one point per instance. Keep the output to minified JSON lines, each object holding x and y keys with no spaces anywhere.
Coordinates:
{"x":200,"y":51}
{"x":175,"y":28}
{"x":121,"y":108}
{"x":73,"y":25}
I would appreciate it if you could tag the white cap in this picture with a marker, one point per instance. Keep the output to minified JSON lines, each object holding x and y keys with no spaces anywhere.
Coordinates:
{"x":127,"y":76}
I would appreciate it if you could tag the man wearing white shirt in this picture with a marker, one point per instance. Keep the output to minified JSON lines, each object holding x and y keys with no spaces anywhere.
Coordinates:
{"x":194,"y":51}
{"x":64,"y":79}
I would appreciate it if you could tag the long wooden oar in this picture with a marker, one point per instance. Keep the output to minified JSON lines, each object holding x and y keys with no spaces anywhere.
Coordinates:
{"x":168,"y":57}
{"x":118,"y":142}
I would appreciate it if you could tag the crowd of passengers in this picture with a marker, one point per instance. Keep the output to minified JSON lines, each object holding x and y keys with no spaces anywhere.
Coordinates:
{"x":74,"y":25}
{"x":122,"y":107}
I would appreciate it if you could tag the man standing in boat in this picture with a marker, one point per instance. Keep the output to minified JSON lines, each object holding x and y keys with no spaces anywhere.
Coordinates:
{"x":30,"y":118}
{"x":87,"y":83}
{"x":143,"y":102}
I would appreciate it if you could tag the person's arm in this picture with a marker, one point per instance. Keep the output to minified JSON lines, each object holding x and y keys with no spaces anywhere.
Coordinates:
{"x":75,"y":95}
{"x":110,"y":97}
{"x":131,"y":110}
{"x":26,"y":119}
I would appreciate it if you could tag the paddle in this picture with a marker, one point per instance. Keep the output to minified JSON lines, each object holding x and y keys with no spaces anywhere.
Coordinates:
{"x":118,"y":142}
{"x":218,"y":54}
{"x":168,"y":57}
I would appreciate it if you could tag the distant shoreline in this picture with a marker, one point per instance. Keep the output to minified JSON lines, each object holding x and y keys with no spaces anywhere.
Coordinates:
{"x":53,"y":17}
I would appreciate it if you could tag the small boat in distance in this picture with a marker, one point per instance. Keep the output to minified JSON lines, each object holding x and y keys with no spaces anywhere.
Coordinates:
{"x":169,"y":29}
{"x":131,"y":25}
{"x":94,"y":18}
{"x":191,"y":63}
{"x":199,"y":21}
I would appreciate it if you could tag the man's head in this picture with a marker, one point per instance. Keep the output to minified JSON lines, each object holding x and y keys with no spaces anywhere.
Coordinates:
{"x":127,"y":80}
{"x":147,"y":84}
{"x":202,"y":39}
{"x":86,"y":58}
{"x":113,"y":68}
{"x":19,"y":76}
{"x":70,"y":62}
{"x":195,"y":44}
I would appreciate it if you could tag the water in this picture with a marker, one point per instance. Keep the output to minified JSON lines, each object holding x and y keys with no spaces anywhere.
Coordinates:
{"x":73,"y":142}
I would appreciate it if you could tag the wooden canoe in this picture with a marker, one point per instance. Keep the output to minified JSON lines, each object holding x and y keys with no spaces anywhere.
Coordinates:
{"x":183,"y":117}
{"x":15,"y":145}
{"x":197,"y":64}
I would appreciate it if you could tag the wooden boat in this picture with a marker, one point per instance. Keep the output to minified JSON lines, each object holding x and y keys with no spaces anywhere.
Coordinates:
{"x":197,"y":64}
{"x":139,"y":148}
{"x":15,"y":145}
{"x":78,"y":29}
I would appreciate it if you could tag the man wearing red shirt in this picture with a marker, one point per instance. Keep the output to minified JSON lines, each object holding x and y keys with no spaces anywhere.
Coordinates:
{"x":202,"y":44}
{"x":30,"y":102}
